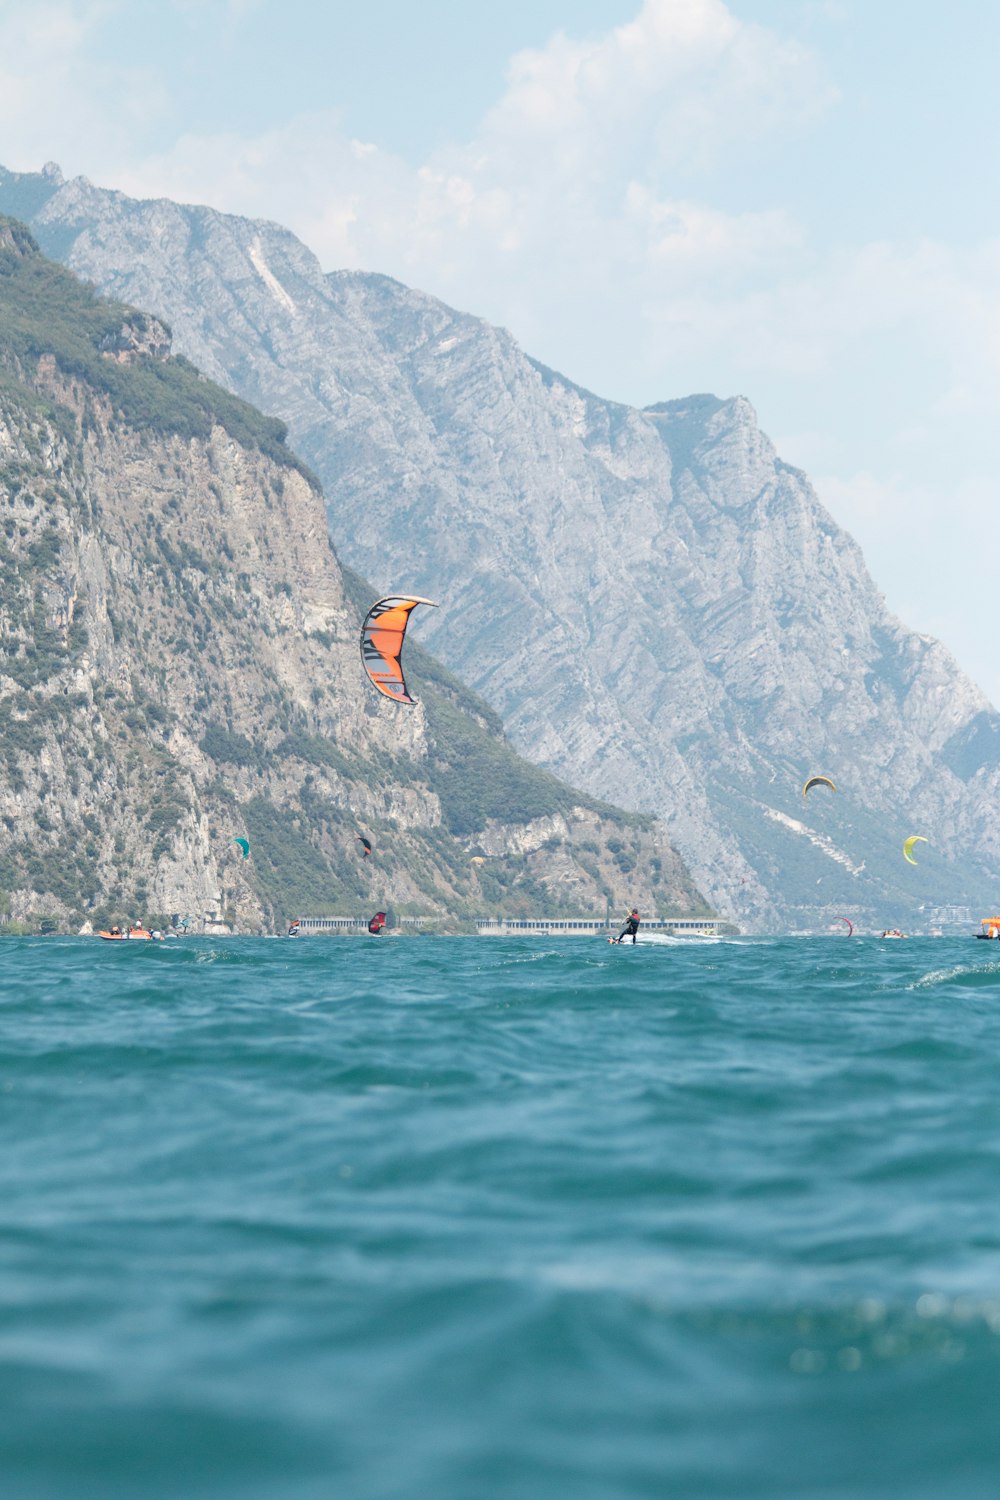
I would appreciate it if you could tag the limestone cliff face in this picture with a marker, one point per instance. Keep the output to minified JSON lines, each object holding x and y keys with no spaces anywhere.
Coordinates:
{"x":179,"y":667}
{"x":169,"y":613}
{"x":665,"y":613}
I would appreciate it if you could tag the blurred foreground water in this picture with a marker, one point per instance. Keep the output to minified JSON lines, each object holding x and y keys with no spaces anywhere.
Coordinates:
{"x":474,"y":1219}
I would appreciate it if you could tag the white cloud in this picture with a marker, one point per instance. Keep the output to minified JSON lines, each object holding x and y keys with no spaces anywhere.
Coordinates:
{"x":565,"y":197}
{"x":55,"y":97}
{"x":683,"y":79}
{"x":576,"y":154}
{"x":692,"y":241}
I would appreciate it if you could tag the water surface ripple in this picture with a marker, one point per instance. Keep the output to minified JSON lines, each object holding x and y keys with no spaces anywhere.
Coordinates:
{"x":479,"y":1219}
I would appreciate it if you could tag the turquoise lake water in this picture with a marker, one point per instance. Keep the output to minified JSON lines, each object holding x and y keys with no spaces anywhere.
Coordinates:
{"x":474,"y":1219}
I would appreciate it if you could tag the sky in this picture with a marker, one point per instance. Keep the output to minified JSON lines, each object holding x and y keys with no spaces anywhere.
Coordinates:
{"x":791,"y":200}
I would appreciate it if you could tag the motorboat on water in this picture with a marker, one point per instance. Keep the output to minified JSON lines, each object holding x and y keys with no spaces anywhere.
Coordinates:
{"x":989,"y":927}
{"x":129,"y":934}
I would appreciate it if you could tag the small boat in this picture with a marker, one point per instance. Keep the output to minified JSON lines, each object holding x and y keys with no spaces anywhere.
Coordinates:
{"x":130,"y":934}
{"x":893,"y":932}
{"x":989,"y":927}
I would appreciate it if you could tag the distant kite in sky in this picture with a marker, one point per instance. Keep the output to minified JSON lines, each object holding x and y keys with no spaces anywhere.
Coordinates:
{"x":817,"y":781}
{"x":382,"y":637}
{"x":366,"y":843}
{"x":917,"y":838}
{"x":244,"y":845}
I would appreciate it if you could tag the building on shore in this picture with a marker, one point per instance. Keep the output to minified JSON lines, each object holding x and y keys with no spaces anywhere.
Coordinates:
{"x":587,"y":926}
{"x":324,"y":926}
{"x":521,"y":926}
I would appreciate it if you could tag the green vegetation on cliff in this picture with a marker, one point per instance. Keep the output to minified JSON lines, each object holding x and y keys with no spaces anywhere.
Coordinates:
{"x":46,"y":311}
{"x":473,"y":769}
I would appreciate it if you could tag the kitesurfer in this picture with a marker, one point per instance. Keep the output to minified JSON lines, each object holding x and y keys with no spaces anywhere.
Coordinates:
{"x":377,"y":923}
{"x":631,"y":926}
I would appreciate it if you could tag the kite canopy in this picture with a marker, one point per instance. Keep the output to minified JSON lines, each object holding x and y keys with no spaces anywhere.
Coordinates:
{"x":850,"y":925}
{"x":382,"y":643}
{"x":817,"y":781}
{"x":917,"y":838}
{"x":244,"y":845}
{"x":366,"y":843}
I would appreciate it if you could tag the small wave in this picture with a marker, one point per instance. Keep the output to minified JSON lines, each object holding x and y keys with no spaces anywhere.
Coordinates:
{"x":958,"y":973}
{"x":667,"y":940}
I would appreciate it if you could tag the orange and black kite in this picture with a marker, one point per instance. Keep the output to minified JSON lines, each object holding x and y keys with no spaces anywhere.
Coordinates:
{"x":382,"y":644}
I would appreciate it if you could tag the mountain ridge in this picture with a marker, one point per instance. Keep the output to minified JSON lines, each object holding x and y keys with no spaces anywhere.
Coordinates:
{"x":179,"y":667}
{"x":666,"y":613}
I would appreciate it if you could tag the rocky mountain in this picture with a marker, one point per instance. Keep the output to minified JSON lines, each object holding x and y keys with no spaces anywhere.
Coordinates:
{"x":179,"y":668}
{"x":656,"y":604}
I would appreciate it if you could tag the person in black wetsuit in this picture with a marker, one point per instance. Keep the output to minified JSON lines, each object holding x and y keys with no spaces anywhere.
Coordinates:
{"x":631,"y":925}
